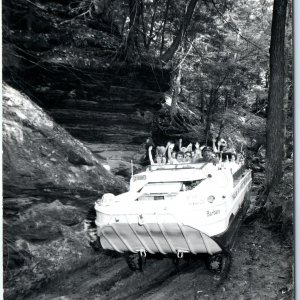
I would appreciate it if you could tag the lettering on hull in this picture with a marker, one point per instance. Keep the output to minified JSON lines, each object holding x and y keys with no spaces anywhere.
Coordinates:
{"x":212,"y":213}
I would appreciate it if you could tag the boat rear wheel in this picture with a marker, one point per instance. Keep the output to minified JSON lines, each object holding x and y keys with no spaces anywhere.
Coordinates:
{"x":246,"y":203}
{"x":219,"y":263}
{"x":135,"y":261}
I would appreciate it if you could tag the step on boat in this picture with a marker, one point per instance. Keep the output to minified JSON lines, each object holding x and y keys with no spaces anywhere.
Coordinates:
{"x":177,"y":210}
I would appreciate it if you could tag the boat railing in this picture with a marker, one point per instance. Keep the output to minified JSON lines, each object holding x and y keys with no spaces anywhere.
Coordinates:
{"x":177,"y":166}
{"x":198,"y":166}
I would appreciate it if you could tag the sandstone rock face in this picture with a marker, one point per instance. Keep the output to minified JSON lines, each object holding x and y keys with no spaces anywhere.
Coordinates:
{"x":68,"y":62}
{"x":70,"y":65}
{"x":40,"y":155}
{"x":50,"y":181}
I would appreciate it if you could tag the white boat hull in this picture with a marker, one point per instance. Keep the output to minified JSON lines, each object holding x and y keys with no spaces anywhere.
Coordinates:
{"x":171,"y":226}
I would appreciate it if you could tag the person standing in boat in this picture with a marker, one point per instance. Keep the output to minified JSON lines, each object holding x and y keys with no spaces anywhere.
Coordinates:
{"x":161,"y":152}
{"x":160,"y":159}
{"x":175,"y":157}
{"x":171,"y":154}
{"x":197,"y":152}
{"x":145,"y":161}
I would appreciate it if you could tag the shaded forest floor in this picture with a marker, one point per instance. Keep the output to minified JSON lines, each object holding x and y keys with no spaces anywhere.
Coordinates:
{"x":261,"y":269}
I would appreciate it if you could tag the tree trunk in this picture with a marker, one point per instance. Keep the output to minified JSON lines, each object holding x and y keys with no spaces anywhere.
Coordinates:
{"x":176,"y":93}
{"x":132,"y":39}
{"x":275,"y":121}
{"x":123,"y":24}
{"x":226,"y":105}
{"x":143,"y":25}
{"x":220,"y":130}
{"x":267,"y":79}
{"x":151,"y":35}
{"x":288,"y":73}
{"x":164,"y":26}
{"x":202,"y":101}
{"x":208,"y":115}
{"x":168,"y":55}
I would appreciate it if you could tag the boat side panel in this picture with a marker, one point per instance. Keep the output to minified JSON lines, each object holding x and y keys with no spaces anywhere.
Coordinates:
{"x":226,"y":238}
{"x":239,"y":193}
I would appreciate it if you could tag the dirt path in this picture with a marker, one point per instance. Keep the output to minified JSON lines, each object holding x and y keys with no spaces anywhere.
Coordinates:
{"x":261,"y":269}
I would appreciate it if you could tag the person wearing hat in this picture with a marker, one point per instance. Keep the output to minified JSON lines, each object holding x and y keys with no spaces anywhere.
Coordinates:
{"x":207,"y":156}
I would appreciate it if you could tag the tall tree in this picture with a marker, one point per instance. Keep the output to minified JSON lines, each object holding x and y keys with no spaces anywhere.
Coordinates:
{"x":164,"y":26}
{"x":132,"y":38}
{"x":168,"y":55}
{"x":275,"y":121}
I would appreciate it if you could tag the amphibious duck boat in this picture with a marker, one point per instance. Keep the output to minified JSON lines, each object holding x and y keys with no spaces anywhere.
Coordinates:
{"x":176,"y":210}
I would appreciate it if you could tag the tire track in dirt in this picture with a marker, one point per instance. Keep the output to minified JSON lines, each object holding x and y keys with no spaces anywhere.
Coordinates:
{"x":133,"y":287}
{"x":161,"y":279}
{"x":256,"y":270}
{"x":193,"y":277}
{"x":152,"y":283}
{"x":110,"y":278}
{"x":156,"y":288}
{"x":101,"y":275}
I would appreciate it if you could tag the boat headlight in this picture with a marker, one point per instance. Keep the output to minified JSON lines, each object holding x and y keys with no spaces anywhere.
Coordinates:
{"x":211,"y":199}
{"x":106,"y":199}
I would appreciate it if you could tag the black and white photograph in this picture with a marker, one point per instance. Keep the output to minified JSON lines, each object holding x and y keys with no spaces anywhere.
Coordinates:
{"x":148,"y":149}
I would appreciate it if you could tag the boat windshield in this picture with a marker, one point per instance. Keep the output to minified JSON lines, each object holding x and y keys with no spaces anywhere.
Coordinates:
{"x":161,"y":187}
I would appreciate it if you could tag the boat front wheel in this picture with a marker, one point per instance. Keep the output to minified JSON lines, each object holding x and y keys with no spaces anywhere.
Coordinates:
{"x":135,"y":261}
{"x":219,"y":263}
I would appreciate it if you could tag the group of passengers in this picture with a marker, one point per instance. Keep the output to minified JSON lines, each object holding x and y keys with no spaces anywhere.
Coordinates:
{"x":185,"y":155}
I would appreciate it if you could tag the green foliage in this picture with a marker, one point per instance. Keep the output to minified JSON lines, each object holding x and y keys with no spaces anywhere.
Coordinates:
{"x":223,"y":56}
{"x":230,"y":51}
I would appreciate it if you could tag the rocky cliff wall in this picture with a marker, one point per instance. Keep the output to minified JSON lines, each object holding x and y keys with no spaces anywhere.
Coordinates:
{"x":50,"y":182}
{"x":67,"y":58}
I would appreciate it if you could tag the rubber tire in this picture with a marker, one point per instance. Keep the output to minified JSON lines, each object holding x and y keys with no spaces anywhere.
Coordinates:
{"x":219,"y":263}
{"x":96,"y":245}
{"x":135,"y":261}
{"x":246,"y":204}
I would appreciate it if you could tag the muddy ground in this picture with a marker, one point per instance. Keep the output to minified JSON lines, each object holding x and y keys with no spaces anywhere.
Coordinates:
{"x":261,"y":269}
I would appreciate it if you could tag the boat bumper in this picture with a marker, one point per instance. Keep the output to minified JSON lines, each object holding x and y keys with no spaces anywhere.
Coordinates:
{"x":156,"y":238}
